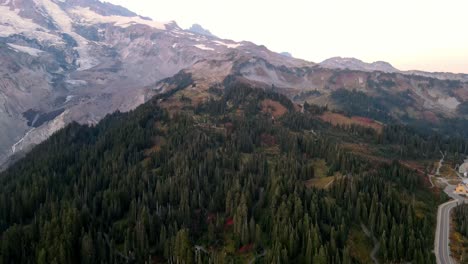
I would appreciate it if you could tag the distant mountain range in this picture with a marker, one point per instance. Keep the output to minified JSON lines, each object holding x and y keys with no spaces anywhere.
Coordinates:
{"x":358,"y":65}
{"x":79,"y":60}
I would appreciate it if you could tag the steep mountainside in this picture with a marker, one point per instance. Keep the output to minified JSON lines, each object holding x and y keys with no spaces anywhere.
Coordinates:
{"x":247,"y":176}
{"x":79,"y":60}
{"x":226,"y":152}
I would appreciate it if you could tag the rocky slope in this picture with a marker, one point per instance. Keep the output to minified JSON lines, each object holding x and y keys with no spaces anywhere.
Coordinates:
{"x":355,"y":64}
{"x":79,"y":60}
{"x":198,"y":29}
{"x":358,"y":65}
{"x":405,"y":98}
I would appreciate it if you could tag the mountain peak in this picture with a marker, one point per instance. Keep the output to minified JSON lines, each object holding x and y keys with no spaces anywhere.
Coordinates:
{"x":198,"y":29}
{"x":356,"y":64}
{"x":286,"y":54}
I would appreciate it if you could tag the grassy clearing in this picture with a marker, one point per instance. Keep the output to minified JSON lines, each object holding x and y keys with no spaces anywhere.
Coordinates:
{"x":448,"y":172}
{"x":271,"y":151}
{"x":320,"y":168}
{"x":339,"y":119}
{"x":454,"y":182}
{"x":359,"y":246}
{"x":321,"y":179}
{"x":319,"y":183}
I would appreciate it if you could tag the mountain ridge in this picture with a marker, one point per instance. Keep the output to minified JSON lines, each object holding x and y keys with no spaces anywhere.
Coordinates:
{"x":356,"y":64}
{"x":79,"y":60}
{"x":383,"y":66}
{"x":198,"y":29}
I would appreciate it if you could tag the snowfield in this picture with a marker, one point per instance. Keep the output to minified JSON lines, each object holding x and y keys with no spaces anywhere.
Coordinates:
{"x":203,"y":47}
{"x":230,"y":46}
{"x":31,"y":51}
{"x":12,"y":23}
{"x":90,"y":17}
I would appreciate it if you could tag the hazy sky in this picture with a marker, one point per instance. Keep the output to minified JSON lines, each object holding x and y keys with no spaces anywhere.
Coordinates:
{"x":428,"y":35}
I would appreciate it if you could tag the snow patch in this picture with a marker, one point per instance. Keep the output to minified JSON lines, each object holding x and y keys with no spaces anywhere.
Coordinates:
{"x":31,"y":51}
{"x":12,"y":23}
{"x":77,"y":82}
{"x":14,"y":147}
{"x":61,"y":18}
{"x":184,"y":33}
{"x":203,"y":47}
{"x":88,"y":16}
{"x":230,"y":46}
{"x":69,"y":98}
{"x":64,"y":22}
{"x":39,"y":134}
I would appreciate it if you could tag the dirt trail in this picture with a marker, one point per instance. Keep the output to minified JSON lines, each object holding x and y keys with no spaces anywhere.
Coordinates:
{"x":328,"y":184}
{"x":429,"y":176}
{"x":441,"y":162}
{"x":252,"y":261}
{"x":376,"y":248}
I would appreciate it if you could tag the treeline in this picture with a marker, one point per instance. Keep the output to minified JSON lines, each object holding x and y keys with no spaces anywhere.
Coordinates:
{"x":461,"y":219}
{"x":243,"y":97}
{"x":447,"y":132}
{"x":145,"y":187}
{"x":360,"y":104}
{"x":460,"y":216}
{"x":403,"y":141}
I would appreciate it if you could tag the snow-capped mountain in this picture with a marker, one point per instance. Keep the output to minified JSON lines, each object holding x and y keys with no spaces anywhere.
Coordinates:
{"x":79,"y":60}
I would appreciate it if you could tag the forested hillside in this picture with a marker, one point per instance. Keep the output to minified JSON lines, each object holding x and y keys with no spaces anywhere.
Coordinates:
{"x":460,"y":237}
{"x":380,"y":108}
{"x":223,"y":182}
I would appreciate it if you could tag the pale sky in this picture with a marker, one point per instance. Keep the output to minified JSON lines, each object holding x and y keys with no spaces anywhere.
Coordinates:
{"x":426,"y":35}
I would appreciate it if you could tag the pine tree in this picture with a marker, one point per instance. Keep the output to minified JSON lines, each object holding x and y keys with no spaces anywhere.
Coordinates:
{"x":87,"y":249}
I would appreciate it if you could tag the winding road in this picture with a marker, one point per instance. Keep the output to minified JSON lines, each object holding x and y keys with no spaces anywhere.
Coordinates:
{"x":442,"y":237}
{"x":442,"y":240}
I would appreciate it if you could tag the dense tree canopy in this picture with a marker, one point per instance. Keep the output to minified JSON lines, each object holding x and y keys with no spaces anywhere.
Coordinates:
{"x":222,"y":184}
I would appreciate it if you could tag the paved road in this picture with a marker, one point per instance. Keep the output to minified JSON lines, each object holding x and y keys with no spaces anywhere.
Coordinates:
{"x":442,"y":239}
